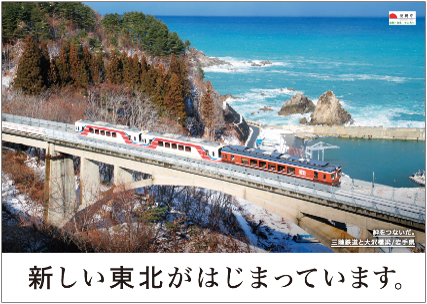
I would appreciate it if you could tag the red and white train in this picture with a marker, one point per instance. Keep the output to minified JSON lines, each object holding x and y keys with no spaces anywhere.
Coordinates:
{"x":275,"y":162}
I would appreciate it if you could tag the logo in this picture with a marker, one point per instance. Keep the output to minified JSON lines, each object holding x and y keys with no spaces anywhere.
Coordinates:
{"x":402,"y":18}
{"x":301,"y":172}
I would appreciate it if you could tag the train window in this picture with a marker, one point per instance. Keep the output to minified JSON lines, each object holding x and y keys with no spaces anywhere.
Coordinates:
{"x":232,"y":158}
{"x":108,"y":133}
{"x":316,"y":175}
{"x":282,"y":168}
{"x":173,"y":146}
{"x":134,"y":138}
{"x":291,"y":170}
{"x":150,"y":141}
{"x":213,"y":153}
{"x":254,"y":162}
{"x":129,"y":137}
{"x":245,"y":161}
{"x":114,"y":134}
{"x":324,"y":176}
{"x":140,"y":137}
{"x":262,"y":164}
{"x":187,"y":149}
{"x":272,"y":166}
{"x":219,"y":153}
{"x":90,"y":130}
{"x":167,"y":145}
{"x":160,"y":144}
{"x":332,"y":176}
{"x":181,"y":148}
{"x":96,"y":131}
{"x":339,"y":172}
{"x":102,"y":132}
{"x":207,"y":152}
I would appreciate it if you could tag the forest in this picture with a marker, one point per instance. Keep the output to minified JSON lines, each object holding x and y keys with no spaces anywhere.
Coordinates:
{"x":53,"y":49}
{"x":62,"y":61}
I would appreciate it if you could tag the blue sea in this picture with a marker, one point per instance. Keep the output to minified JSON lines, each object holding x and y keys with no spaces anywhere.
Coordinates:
{"x":377,"y":71}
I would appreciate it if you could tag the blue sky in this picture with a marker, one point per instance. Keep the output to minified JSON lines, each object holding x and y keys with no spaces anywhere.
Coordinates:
{"x":294,"y":9}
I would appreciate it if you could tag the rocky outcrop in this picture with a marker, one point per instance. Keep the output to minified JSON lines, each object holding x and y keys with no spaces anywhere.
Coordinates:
{"x":298,"y":104}
{"x":260,"y":64}
{"x":291,"y":89}
{"x":225,"y":97}
{"x":266,"y":109}
{"x":201,"y":60}
{"x":329,"y":111}
{"x":303,"y":121}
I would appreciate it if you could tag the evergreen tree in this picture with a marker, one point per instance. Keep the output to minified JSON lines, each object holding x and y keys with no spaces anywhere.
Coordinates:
{"x":184,"y":78}
{"x":63,"y":64}
{"x":74,"y":66}
{"x":53,"y":73}
{"x":148,"y":80}
{"x":45,"y":63}
{"x":174,"y":65}
{"x":83,"y":79}
{"x":161,"y":86}
{"x":97,"y":68}
{"x":127,"y":65}
{"x":136,"y":72}
{"x":175,"y":98}
{"x":207,"y":108}
{"x":114,"y":69}
{"x":29,"y":77}
{"x":86,"y":62}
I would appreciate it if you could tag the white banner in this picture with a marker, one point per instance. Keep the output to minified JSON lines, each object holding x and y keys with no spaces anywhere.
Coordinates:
{"x":213,"y":277}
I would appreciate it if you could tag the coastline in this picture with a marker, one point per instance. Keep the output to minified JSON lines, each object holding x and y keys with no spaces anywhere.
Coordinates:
{"x":357,"y":131}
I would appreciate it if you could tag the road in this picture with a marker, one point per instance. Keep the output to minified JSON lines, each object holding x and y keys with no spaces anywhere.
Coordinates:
{"x":254,"y":136}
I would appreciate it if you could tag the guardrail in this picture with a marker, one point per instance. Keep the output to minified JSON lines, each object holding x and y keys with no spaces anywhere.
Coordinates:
{"x":60,"y":126}
{"x":321,"y":191}
{"x":254,"y":123}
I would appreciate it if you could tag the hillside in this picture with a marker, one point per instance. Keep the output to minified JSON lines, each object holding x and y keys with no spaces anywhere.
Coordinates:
{"x":63,"y":61}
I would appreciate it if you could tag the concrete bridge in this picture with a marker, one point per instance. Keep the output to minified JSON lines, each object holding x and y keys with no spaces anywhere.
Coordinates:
{"x":304,"y":203}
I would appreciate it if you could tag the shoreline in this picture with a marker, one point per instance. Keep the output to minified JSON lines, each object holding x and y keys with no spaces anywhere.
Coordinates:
{"x":392,"y":133}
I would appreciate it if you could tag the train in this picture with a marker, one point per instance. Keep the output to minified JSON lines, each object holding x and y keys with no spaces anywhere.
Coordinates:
{"x":196,"y":148}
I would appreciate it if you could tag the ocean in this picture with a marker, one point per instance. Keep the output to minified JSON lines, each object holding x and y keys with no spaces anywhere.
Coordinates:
{"x":377,"y":71}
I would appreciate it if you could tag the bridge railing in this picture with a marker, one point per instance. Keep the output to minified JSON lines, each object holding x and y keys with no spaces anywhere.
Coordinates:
{"x":35,"y":122}
{"x":60,"y":131}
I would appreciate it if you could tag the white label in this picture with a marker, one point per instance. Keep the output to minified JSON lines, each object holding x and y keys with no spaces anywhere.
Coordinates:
{"x":301,"y":172}
{"x":402,"y":17}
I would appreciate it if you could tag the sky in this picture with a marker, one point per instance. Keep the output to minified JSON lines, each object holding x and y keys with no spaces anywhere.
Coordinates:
{"x":274,"y":9}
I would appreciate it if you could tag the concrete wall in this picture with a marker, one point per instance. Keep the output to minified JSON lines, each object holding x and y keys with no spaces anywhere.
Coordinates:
{"x":358,"y":132}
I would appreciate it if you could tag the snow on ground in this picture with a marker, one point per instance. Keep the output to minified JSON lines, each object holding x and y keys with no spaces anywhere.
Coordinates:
{"x":231,"y":140}
{"x":272,"y":133}
{"x":405,"y":195}
{"x":275,"y":233}
{"x":17,"y":203}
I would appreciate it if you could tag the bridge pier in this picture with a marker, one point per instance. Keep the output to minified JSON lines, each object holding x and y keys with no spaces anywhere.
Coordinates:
{"x":61,"y":187}
{"x":122,"y":176}
{"x":89,"y":181}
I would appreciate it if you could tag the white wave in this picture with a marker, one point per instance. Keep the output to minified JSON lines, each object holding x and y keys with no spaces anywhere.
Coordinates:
{"x":347,"y":77}
{"x":241,"y":65}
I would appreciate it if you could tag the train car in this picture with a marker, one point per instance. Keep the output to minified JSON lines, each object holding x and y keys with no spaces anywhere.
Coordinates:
{"x":168,"y":143}
{"x":280,"y":163}
{"x":108,"y":132}
{"x":270,"y":161}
